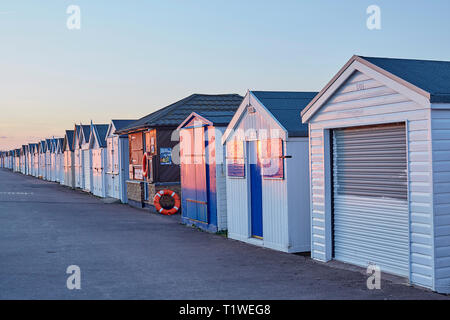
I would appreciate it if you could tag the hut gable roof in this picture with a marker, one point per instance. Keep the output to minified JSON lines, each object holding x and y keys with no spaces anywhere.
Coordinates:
{"x":32,"y":147}
{"x":174,"y":114}
{"x":85,"y":132}
{"x":42,"y":146}
{"x":98,"y":133}
{"x":116,"y":125}
{"x":68,"y":141}
{"x":281,"y":106}
{"x":59,"y":145}
{"x":285,"y":107}
{"x":427,"y":79}
{"x":430,"y":76}
{"x":76,"y":137}
{"x":48,"y":145}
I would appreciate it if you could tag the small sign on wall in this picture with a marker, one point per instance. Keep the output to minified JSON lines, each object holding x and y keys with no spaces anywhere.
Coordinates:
{"x":138,"y":174}
{"x":165,"y":156}
{"x":152,"y":145}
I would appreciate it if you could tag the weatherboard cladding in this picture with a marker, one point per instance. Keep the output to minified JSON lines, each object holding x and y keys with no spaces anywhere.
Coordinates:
{"x":350,"y":106}
{"x":215,"y":177}
{"x":285,"y":202}
{"x":440,"y":124}
{"x":175,"y":113}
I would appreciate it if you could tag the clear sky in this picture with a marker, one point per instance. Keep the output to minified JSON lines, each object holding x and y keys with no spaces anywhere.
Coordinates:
{"x":133,"y":57}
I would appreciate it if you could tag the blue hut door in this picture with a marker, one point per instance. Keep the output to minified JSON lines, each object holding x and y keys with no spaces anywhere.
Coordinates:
{"x":255,"y":189}
{"x":195,"y":188}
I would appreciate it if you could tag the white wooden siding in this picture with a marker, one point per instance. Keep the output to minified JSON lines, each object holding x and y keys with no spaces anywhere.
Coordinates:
{"x":297,"y":174}
{"x":281,"y":226}
{"x":238,"y":204}
{"x":116,"y":165}
{"x":69,"y":169}
{"x":221,"y":185}
{"x":440,"y":124}
{"x":365,"y":100}
{"x":123,"y":167}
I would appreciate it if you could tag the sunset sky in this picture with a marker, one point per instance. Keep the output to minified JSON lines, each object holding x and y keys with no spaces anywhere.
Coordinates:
{"x":131,"y":58}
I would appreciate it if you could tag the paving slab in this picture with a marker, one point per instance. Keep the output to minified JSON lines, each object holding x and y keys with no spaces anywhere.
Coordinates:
{"x":128,"y":253}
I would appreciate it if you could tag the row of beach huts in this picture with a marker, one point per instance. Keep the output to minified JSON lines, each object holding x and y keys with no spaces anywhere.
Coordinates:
{"x":359,"y":172}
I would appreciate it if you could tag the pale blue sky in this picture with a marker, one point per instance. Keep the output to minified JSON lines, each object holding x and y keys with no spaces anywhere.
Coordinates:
{"x":133,"y":57}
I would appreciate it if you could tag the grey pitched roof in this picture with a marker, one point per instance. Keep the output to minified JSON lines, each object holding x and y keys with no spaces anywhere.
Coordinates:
{"x":60,"y":144}
{"x":102,"y":130}
{"x":42,"y":146}
{"x":69,"y":137}
{"x":48,"y":145}
{"x":286,"y":107}
{"x":120,"y":124}
{"x":86,"y":131}
{"x":54,"y":144}
{"x":430,"y":76}
{"x":76,"y":133}
{"x":32,"y":147}
{"x":174,"y":114}
{"x":219,"y":117}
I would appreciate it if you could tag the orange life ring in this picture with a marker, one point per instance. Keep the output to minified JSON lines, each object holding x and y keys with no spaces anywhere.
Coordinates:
{"x":144,"y":165}
{"x":175,"y":197}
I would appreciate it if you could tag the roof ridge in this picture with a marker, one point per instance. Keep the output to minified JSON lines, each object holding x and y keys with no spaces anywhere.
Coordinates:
{"x":404,"y":59}
{"x":165,"y":115}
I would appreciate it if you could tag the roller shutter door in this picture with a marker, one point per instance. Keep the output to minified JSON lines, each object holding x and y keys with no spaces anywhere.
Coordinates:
{"x":370,"y":205}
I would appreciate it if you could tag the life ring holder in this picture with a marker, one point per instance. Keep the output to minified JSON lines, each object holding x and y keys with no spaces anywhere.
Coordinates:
{"x":160,"y":209}
{"x":144,"y":165}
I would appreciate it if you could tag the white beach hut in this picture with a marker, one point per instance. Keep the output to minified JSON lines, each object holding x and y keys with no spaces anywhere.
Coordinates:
{"x":59,"y":157}
{"x":78,"y":158}
{"x":42,"y":159}
{"x":36,"y":160}
{"x":117,"y":159}
{"x":48,"y":159}
{"x":86,"y":157}
{"x":97,"y":145}
{"x":380,"y":168}
{"x":203,"y":179}
{"x":267,"y":171}
{"x":69,"y":159}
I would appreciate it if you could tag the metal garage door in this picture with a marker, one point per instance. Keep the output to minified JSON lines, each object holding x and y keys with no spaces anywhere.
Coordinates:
{"x":370,"y":197}
{"x":87,"y":170}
